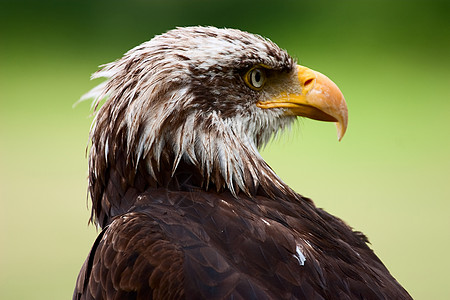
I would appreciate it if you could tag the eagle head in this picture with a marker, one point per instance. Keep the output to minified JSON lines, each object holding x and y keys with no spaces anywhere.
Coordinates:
{"x":191,"y":107}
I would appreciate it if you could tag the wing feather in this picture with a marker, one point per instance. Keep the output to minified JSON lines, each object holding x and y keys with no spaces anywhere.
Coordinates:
{"x":200,"y":245}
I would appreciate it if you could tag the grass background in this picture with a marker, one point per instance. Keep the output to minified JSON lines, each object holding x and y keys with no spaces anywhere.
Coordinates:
{"x":389,"y":177}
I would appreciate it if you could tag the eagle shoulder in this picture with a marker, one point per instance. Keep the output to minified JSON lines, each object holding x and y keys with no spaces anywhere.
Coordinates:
{"x":200,"y":245}
{"x":177,"y":245}
{"x":132,"y":259}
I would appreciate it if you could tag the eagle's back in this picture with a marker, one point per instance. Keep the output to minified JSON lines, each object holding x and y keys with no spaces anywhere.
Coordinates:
{"x":195,"y":244}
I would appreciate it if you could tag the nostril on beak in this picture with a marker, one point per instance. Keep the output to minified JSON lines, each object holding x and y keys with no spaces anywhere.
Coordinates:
{"x":308,"y":82}
{"x":306,"y":79}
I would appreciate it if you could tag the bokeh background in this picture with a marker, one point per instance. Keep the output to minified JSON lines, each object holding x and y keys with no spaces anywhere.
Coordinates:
{"x":389,"y":177}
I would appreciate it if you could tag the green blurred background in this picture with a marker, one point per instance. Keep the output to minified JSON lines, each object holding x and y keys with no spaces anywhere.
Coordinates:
{"x":389,"y":177}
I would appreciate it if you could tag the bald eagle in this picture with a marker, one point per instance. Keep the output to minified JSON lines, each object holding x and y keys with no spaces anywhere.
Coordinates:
{"x":187,"y":206}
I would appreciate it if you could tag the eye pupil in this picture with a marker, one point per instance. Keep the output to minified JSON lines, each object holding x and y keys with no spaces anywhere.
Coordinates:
{"x":257,"y":76}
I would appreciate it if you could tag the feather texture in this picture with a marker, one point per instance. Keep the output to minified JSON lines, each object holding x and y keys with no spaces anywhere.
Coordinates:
{"x":201,"y":245}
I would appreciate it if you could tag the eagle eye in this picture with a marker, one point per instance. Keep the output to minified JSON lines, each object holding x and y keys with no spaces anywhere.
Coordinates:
{"x":255,"y":78}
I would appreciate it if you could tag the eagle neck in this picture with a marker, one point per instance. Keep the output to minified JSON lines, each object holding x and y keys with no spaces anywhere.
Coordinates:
{"x":213,"y":157}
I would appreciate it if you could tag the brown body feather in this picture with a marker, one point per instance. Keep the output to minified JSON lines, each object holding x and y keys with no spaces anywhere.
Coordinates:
{"x":199,"y":245}
{"x":187,"y":206}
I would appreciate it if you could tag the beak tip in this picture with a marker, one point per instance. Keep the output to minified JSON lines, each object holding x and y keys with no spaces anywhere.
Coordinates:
{"x":341,"y":128}
{"x":335,"y":104}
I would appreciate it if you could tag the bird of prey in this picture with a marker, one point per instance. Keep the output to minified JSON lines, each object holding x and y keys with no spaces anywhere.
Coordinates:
{"x":187,"y":206}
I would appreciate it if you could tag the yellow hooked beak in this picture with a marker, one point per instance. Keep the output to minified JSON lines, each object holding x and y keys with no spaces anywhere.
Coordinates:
{"x":319,"y":98}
